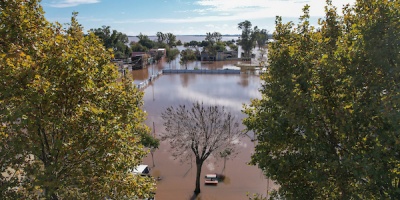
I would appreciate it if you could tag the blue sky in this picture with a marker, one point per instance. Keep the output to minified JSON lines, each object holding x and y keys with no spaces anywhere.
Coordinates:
{"x":182,"y":17}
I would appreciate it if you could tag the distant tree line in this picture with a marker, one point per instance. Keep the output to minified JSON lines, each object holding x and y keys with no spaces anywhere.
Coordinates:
{"x":114,"y":40}
{"x":119,"y":42}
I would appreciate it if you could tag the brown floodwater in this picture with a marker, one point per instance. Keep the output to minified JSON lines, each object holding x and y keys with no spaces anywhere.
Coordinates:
{"x":231,"y":91}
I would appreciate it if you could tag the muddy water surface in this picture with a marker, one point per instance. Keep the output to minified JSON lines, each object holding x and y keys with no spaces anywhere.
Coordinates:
{"x":231,"y":91}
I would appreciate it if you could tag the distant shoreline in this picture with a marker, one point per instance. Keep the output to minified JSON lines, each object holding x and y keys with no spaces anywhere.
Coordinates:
{"x":227,"y":35}
{"x":188,"y":38}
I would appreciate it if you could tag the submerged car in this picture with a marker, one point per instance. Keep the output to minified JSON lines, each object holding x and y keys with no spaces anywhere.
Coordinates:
{"x":211,"y":179}
{"x":142,"y":170}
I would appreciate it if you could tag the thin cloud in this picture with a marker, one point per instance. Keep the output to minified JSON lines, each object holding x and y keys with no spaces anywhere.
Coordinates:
{"x":71,"y":3}
{"x":232,"y":5}
{"x":257,"y":9}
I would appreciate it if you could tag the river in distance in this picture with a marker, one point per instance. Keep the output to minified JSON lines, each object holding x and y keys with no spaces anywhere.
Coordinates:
{"x":228,"y":90}
{"x":188,"y":38}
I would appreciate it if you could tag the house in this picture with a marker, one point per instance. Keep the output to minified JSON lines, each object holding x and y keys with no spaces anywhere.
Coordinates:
{"x":226,"y":55}
{"x":139,"y":60}
{"x":204,"y":56}
{"x":159,"y":51}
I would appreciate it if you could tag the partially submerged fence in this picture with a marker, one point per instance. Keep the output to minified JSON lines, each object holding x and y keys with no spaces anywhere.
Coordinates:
{"x":200,"y":71}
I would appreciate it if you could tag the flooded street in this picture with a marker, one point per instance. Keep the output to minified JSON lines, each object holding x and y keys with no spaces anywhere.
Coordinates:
{"x":231,"y":91}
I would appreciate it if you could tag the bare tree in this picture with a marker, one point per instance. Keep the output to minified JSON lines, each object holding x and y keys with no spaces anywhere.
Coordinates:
{"x":200,"y":131}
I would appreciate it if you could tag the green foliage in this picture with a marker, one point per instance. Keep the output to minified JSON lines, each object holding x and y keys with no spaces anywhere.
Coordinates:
{"x":171,"y":40}
{"x":187,"y":55}
{"x":204,"y":43}
{"x":68,"y":128}
{"x":260,"y":36}
{"x":213,"y":38}
{"x":160,"y":37}
{"x":192,"y":43}
{"x":233,"y":47}
{"x":149,"y":141}
{"x":220,"y":46}
{"x":327,"y":124}
{"x":145,"y":41}
{"x":166,"y":38}
{"x":137,"y":47}
{"x":214,"y":43}
{"x":172,"y":53}
{"x":116,"y":41}
{"x":246,"y":38}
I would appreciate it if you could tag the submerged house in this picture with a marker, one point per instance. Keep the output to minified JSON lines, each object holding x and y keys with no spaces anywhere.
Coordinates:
{"x":205,"y":56}
{"x":226,"y":55}
{"x":158,"y":54}
{"x":139,"y":60}
{"x":219,"y":56}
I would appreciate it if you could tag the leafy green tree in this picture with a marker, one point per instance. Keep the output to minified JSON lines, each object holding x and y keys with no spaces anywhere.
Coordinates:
{"x":246,"y":38}
{"x":233,"y":47}
{"x":115,"y":40}
{"x":192,"y":43}
{"x":70,"y":128}
{"x":137,"y":47}
{"x":201,"y":131}
{"x":150,"y":142}
{"x":214,"y":43}
{"x":327,"y":124}
{"x":161,"y":37}
{"x":187,"y":55}
{"x":220,"y":46}
{"x":166,"y":39}
{"x":172,"y":53}
{"x":170,"y":39}
{"x":261,"y":37}
{"x":204,"y":43}
{"x":213,"y":38}
{"x":145,"y":41}
{"x":179,"y":43}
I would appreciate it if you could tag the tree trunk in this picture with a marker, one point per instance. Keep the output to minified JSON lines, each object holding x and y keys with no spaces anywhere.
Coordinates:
{"x":224,"y":163}
{"x":199,"y":164}
{"x":152,"y":157}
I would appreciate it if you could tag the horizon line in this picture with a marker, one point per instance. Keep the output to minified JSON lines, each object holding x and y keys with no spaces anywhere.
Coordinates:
{"x":189,"y":35}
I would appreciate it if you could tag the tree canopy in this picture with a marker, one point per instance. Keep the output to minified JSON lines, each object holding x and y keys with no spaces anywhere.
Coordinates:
{"x":172,"y":53}
{"x":68,"y":128}
{"x":187,"y":55}
{"x":260,"y":36}
{"x":145,"y":41}
{"x":246,"y":38}
{"x":202,"y":131}
{"x":213,"y":38}
{"x":327,"y":124}
{"x":115,"y":40}
{"x":166,"y":38}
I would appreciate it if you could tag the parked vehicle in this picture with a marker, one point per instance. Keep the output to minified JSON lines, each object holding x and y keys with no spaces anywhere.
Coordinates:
{"x":142,"y":170}
{"x":211,"y":179}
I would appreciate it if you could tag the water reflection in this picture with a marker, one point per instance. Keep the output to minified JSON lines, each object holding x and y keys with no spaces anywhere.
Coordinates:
{"x":231,"y":91}
{"x":141,"y":75}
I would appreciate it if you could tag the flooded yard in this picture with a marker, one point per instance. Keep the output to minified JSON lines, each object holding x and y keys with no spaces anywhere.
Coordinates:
{"x":178,"y":179}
